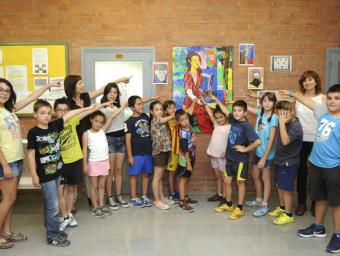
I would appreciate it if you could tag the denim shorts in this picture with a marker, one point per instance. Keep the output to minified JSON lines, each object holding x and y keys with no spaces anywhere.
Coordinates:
{"x":16,"y":169}
{"x":268,"y":164}
{"x":116,"y":144}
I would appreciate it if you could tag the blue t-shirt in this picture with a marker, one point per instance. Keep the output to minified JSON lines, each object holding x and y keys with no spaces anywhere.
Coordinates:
{"x":326,"y":148}
{"x":263,"y":131}
{"x":241,"y":133}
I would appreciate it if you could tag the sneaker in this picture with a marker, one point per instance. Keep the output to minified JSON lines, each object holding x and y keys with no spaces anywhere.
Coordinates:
{"x":121,"y":202}
{"x":312,"y":231}
{"x":60,"y":220}
{"x":63,"y":234}
{"x":236,"y":214}
{"x":253,"y":203}
{"x":73,"y":222}
{"x":146,"y":201}
{"x":185,"y":206}
{"x":97,"y":212}
{"x":106,"y":210}
{"x":191,"y":201}
{"x":161,"y":205}
{"x":136,"y":202}
{"x":59,"y":242}
{"x":112,"y":204}
{"x":284,"y":219}
{"x":261,"y":211}
{"x":214,"y":198}
{"x":63,"y":225}
{"x":173,"y":198}
{"x":334,"y":244}
{"x":276,"y":213}
{"x":166,"y":201}
{"x":224,"y":208}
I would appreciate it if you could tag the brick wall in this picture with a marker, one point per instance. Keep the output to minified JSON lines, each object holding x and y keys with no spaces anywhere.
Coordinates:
{"x":303,"y":29}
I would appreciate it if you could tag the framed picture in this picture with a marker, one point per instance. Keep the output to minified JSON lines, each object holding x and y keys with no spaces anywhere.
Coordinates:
{"x":281,"y":63}
{"x":160,"y":72}
{"x":255,"y":78}
{"x":246,"y":54}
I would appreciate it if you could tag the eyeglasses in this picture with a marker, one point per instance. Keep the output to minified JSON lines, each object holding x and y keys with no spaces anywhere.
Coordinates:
{"x":61,"y":110}
{"x":5,"y":91}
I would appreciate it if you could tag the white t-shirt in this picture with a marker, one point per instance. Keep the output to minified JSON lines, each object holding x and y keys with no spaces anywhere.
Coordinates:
{"x":219,"y":140}
{"x":97,"y":145}
{"x":307,"y":119}
{"x":117,"y":123}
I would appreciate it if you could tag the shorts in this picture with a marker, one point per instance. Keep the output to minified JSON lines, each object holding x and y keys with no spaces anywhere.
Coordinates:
{"x":173,"y":163}
{"x":218,"y":163}
{"x":285,"y":177}
{"x":98,"y":168}
{"x":16,"y":168}
{"x":161,"y":159}
{"x":237,"y":169}
{"x":71,"y":173}
{"x":182,"y":170}
{"x":142,"y":164}
{"x":325,"y":184}
{"x":116,"y":144}
{"x":267,"y":164}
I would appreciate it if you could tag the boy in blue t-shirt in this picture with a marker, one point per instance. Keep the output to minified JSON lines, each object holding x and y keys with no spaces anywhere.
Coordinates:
{"x":242,"y":139}
{"x":325,"y":160}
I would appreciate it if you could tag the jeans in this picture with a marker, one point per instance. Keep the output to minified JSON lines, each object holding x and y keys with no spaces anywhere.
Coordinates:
{"x":51,"y":208}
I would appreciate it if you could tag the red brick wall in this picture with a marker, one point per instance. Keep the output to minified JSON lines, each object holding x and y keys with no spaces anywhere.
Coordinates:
{"x":303,"y":29}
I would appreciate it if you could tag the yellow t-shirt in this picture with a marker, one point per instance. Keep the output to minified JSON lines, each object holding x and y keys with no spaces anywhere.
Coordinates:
{"x":10,"y":136}
{"x":69,"y":143}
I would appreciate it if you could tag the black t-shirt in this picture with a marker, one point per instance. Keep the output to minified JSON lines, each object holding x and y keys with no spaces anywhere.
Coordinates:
{"x":84,"y":123}
{"x":46,"y":144}
{"x":139,"y":127}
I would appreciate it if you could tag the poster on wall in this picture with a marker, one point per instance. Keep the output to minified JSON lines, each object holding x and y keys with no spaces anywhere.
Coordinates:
{"x":40,"y":61}
{"x":197,"y":72}
{"x":160,"y":72}
{"x":255,"y":78}
{"x":246,"y":54}
{"x":17,"y":75}
{"x":281,"y":63}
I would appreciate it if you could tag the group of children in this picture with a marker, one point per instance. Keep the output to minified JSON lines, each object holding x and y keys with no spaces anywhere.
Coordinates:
{"x":164,"y":140}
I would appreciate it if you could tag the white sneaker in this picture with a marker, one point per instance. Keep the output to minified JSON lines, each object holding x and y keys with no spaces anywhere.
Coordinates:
{"x":74,"y":222}
{"x":63,"y":225}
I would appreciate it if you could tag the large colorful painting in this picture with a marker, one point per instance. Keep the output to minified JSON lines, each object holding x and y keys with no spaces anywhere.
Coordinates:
{"x":198,"y":71}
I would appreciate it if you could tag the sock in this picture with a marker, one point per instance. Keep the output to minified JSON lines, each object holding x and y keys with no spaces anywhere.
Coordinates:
{"x":289,"y":214}
{"x":282,"y":207}
{"x":229,"y":203}
{"x":319,"y":226}
{"x":264,"y":204}
{"x":240,"y":206}
{"x":219,"y":194}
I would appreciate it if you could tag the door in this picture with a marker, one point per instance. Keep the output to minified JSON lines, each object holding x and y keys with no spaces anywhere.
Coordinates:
{"x":333,"y":67}
{"x":105,"y":64}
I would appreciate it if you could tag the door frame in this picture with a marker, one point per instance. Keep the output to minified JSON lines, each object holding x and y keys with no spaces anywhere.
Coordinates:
{"x":329,"y":52}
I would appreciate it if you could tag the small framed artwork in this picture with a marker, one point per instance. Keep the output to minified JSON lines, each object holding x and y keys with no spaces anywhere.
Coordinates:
{"x":246,"y":54}
{"x":260,"y":93}
{"x":281,"y":63}
{"x":255,"y":78}
{"x":160,"y":72}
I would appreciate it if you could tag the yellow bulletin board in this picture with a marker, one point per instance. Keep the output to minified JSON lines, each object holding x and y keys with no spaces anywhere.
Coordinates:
{"x":29,"y":65}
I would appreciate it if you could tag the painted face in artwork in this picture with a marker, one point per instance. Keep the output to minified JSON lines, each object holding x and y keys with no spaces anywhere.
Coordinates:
{"x":195,"y":62}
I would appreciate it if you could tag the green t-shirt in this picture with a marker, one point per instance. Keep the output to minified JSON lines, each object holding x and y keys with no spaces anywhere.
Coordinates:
{"x":69,"y":143}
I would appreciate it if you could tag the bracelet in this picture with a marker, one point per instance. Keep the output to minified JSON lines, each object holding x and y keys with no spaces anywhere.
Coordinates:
{"x":290,"y":93}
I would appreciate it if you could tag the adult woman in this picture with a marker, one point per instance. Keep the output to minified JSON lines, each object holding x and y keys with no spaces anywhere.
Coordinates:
{"x":78,"y":98}
{"x":310,"y":85}
{"x":11,"y":156}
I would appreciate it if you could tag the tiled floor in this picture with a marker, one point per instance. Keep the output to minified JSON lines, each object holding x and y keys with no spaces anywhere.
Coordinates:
{"x":172,"y":232}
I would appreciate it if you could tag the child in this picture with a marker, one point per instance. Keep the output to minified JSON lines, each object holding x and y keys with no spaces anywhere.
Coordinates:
{"x":161,"y":147}
{"x":71,"y":153}
{"x":216,"y":151}
{"x":139,"y":150}
{"x":169,"y":108}
{"x":325,"y":160}
{"x":242,"y":139}
{"x":186,"y":159}
{"x":96,"y":160}
{"x":266,"y":126}
{"x":43,"y":152}
{"x":287,"y":159}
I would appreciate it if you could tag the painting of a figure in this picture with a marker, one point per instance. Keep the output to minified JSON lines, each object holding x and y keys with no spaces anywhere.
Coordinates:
{"x":198,"y":71}
{"x":246,"y":54}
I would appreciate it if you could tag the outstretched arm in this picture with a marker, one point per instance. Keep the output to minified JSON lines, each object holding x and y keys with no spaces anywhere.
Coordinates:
{"x":113,"y":115}
{"x":34,"y":95}
{"x":97,"y":107}
{"x":95,"y":94}
{"x":208,"y":109}
{"x":220,"y":104}
{"x":190,"y":109}
{"x":252,"y":110}
{"x":308,"y":102}
{"x":252,"y":94}
{"x":148,"y":99}
{"x":78,"y":111}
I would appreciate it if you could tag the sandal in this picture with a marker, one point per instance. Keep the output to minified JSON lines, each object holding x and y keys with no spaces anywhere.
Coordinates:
{"x":15,"y":237}
{"x":5,"y":244}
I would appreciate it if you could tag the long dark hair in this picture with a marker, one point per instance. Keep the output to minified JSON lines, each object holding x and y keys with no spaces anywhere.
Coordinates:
{"x":188,"y":60}
{"x":107,"y":90}
{"x":70,"y":85}
{"x":152,"y":106}
{"x":271,"y":96}
{"x":9,"y":105}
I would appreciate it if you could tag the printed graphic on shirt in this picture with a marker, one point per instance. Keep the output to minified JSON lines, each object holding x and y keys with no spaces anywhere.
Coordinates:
{"x":324,"y":130}
{"x":67,"y":140}
{"x":235,"y":132}
{"x":12,"y":123}
{"x":142,"y":128}
{"x":260,"y":127}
